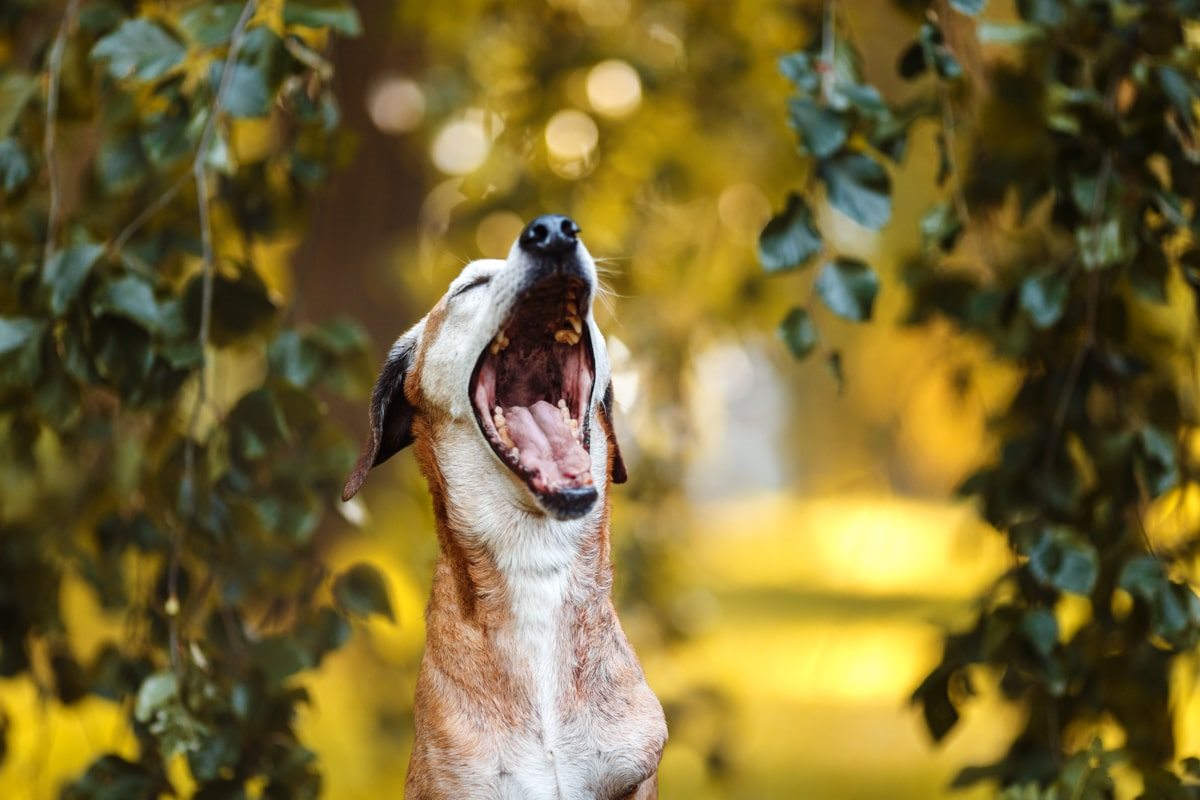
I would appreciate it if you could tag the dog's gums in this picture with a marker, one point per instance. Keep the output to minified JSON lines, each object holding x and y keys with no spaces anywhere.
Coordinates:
{"x":532,"y":386}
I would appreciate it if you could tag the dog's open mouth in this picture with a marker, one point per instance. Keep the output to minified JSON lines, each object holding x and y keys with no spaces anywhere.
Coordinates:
{"x":530,"y":390}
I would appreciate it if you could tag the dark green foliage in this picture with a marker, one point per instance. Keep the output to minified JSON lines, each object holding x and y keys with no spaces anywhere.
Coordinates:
{"x":116,"y":458}
{"x":361,"y":590}
{"x":1088,"y":128}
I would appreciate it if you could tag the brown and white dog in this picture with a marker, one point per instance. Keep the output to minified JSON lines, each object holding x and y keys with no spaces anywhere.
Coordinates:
{"x":528,"y":688}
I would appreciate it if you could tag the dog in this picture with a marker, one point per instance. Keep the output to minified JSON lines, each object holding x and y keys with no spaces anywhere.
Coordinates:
{"x":528,"y":687}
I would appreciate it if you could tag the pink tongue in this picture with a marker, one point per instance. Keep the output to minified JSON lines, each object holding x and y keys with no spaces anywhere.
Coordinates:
{"x":549,"y":450}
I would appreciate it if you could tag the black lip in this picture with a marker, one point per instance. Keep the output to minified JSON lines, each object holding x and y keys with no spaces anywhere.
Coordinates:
{"x":569,"y":503}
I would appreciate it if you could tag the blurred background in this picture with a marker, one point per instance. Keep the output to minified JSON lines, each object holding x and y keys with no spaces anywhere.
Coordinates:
{"x":787,"y":553}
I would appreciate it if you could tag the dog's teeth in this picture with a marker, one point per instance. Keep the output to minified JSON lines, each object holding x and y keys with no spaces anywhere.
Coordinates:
{"x":562,"y":403}
{"x":567,"y":336}
{"x":505,"y":438}
{"x":499,"y":343}
{"x":515,"y":454}
{"x":572,"y":309}
{"x":498,"y":411}
{"x":576,"y":323}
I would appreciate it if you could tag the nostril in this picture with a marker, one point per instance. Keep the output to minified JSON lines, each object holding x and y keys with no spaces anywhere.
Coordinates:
{"x":569,"y":228}
{"x":539,"y":232}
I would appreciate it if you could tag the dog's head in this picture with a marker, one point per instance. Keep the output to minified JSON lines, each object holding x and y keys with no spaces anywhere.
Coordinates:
{"x":507,"y":380}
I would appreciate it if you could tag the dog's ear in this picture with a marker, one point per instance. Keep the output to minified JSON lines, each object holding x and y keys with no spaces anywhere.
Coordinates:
{"x":391,"y":414}
{"x":619,"y":475}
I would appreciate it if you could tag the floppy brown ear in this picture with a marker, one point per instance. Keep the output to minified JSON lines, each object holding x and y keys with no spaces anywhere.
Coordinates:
{"x":619,"y":475}
{"x":391,"y":416}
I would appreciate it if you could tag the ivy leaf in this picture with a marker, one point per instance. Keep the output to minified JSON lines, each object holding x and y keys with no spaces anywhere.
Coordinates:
{"x":1179,"y":91}
{"x":15,"y":169}
{"x":210,"y":25}
{"x":800,"y":68}
{"x":824,"y":130}
{"x":1043,"y":297}
{"x":20,"y":350}
{"x":248,"y":94}
{"x":141,"y":49}
{"x":798,"y":332}
{"x":1063,"y":560}
{"x":1040,"y":629}
{"x":362,"y":590}
{"x":848,"y":288}
{"x":337,"y":14}
{"x":129,"y":297}
{"x":1008,"y":32}
{"x":1105,"y":244}
{"x":941,"y":226}
{"x":938,"y":708}
{"x":789,"y":239}
{"x":859,"y":188}
{"x":971,"y":7}
{"x":66,"y":272}
{"x":111,"y":777}
{"x":15,"y":90}
{"x":1159,"y":460}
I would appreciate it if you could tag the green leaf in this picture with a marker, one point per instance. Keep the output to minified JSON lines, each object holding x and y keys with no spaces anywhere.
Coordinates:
{"x":1008,"y":32}
{"x":789,"y":239}
{"x":210,"y":25}
{"x":129,"y":297}
{"x":1179,"y":90}
{"x":859,"y":188}
{"x":112,"y":778}
{"x":15,"y":90}
{"x":15,"y":169}
{"x":824,"y":130}
{"x":337,"y":14}
{"x":156,"y":692}
{"x":971,"y":7}
{"x":801,"y":70}
{"x":248,"y":93}
{"x":938,"y":708}
{"x":66,"y":272}
{"x":121,"y":164}
{"x":141,"y":49}
{"x":17,"y":332}
{"x":798,"y":333}
{"x":1040,"y":629}
{"x":1159,"y":464}
{"x":362,"y":590}
{"x":1063,"y":560}
{"x":848,"y":288}
{"x":1043,"y":298}
{"x":1105,"y":244}
{"x":241,"y":305}
{"x":941,"y":226}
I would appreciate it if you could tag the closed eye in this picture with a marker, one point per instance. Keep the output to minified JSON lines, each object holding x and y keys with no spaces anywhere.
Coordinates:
{"x":466,"y":287}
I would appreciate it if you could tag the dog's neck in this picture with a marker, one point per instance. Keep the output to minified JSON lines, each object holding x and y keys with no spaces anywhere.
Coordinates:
{"x":508,"y":566}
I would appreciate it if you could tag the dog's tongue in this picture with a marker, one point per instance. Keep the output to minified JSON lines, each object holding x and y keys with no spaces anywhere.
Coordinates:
{"x":549,"y":450}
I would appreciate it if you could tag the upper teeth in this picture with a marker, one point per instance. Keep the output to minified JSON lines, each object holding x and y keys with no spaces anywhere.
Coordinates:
{"x":499,"y":343}
{"x":567,"y":336}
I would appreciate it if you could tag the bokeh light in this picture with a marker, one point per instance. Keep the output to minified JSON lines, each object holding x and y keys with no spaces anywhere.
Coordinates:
{"x":614,"y":88}
{"x":571,"y":139}
{"x":496,"y":232}
{"x":461,"y":147}
{"x":744,"y":210}
{"x":396,"y":104}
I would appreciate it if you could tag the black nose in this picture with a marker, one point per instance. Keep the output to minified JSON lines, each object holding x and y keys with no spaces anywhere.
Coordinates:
{"x":550,"y":235}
